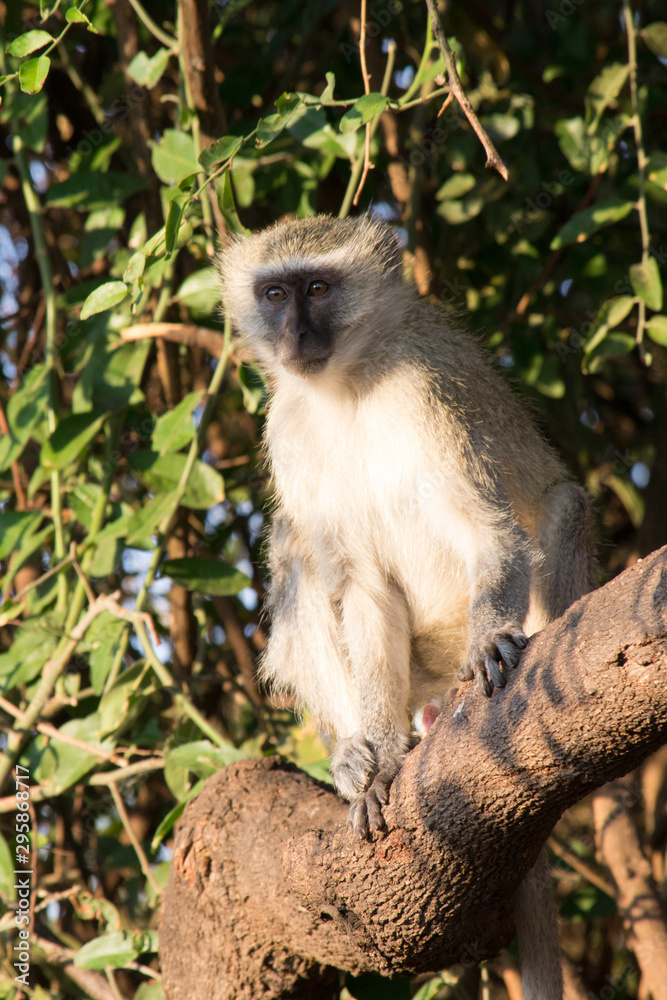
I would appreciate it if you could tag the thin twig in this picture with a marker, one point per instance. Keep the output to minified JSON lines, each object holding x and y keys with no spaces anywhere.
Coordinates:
{"x":582,"y":867}
{"x":46,"y":729}
{"x":642,"y":160}
{"x":90,"y":594}
{"x":493,"y":159}
{"x":125,"y":820}
{"x":367,"y":90}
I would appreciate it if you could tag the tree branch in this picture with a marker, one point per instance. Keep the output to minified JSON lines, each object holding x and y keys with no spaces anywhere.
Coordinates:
{"x":468,"y":815}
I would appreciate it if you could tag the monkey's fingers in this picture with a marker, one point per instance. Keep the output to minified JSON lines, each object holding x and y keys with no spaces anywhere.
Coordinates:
{"x":353,"y":766}
{"x":357,"y":819}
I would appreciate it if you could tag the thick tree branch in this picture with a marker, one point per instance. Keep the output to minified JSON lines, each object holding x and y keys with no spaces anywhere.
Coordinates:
{"x":256,"y":906}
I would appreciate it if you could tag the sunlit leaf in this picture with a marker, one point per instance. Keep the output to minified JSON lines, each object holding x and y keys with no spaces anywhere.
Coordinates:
{"x":655,"y":36}
{"x":33,"y":73}
{"x":657,"y":330}
{"x":106,"y":296}
{"x":176,"y":428}
{"x":205,"y":486}
{"x":29,"y":42}
{"x":647,"y":283}
{"x":363,"y":111}
{"x":174,"y":156}
{"x":590,"y":220}
{"x":115,"y":949}
{"x":70,"y":438}
{"x":220,"y":151}
{"x":206,"y":576}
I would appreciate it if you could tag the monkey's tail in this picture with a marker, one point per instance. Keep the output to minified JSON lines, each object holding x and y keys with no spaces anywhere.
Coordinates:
{"x":537,"y":931}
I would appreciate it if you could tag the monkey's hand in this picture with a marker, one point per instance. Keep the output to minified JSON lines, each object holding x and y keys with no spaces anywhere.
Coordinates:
{"x":491,"y":656}
{"x":363,"y":770}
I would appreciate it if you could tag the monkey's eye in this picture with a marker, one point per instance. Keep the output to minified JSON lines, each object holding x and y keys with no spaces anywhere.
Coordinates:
{"x":276,"y":294}
{"x":318,"y":287}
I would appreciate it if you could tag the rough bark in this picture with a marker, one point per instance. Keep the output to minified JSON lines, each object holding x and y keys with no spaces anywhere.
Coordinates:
{"x":269,"y":892}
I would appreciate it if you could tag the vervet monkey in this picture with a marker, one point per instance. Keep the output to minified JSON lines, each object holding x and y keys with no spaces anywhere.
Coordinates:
{"x":423,"y":528}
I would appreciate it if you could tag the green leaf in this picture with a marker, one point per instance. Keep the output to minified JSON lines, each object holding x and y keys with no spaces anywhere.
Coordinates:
{"x":165,"y":825}
{"x":31,"y":41}
{"x":135,"y":268}
{"x":615,"y":310}
{"x":70,"y":438}
{"x":24,"y":660}
{"x":363,"y":111}
{"x":173,"y":223}
{"x":175,"y":429}
{"x":200,"y":293}
{"x":174,"y":157}
{"x":29,"y":115}
{"x":61,"y":764}
{"x":646,"y":282}
{"x":7,"y":867}
{"x":456,"y":187}
{"x":161,"y":473}
{"x":91,"y":189}
{"x":220,"y":151}
{"x":657,"y":330}
{"x":115,"y":949}
{"x":590,"y":220}
{"x":202,"y":757}
{"x":147,"y":519}
{"x":102,"y":642}
{"x":76,"y":16}
{"x":327,"y":94}
{"x":611,"y":345}
{"x":24,"y":410}
{"x":15,"y":526}
{"x":603,"y":91}
{"x":33,"y":73}
{"x":106,"y":296}
{"x":655,"y":36}
{"x":458,"y":212}
{"x":118,"y":706}
{"x":289,"y":107}
{"x":147,"y":71}
{"x":206,"y":576}
{"x":656,"y":170}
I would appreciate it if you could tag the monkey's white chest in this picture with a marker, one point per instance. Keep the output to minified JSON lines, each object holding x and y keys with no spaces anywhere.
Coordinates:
{"x":357,"y":482}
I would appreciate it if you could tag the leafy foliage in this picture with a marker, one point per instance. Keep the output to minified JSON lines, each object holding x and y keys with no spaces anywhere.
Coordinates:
{"x":132,"y":497}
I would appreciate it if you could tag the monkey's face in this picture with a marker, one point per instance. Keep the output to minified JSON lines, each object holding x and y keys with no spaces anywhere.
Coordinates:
{"x":300,"y":314}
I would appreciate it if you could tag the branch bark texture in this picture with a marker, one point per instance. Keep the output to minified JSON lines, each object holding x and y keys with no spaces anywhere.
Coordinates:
{"x":269,"y":893}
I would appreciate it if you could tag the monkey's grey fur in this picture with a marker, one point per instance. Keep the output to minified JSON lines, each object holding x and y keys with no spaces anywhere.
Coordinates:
{"x":423,"y":527}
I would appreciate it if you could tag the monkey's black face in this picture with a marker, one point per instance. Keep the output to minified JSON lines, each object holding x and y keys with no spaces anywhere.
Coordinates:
{"x":301,"y":313}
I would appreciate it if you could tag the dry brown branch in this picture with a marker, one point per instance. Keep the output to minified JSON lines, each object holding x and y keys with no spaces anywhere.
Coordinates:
{"x":493,"y":158}
{"x":636,"y":893}
{"x":367,"y":90}
{"x":180,"y":333}
{"x":269,"y":892}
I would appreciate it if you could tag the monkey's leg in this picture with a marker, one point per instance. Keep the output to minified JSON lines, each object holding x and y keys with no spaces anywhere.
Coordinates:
{"x":304,"y":655}
{"x":566,"y":538}
{"x":500,"y":577}
{"x":376,"y":632}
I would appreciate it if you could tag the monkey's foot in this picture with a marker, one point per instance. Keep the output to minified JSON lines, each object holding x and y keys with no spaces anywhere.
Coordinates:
{"x":363,"y":773}
{"x":490,"y":658}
